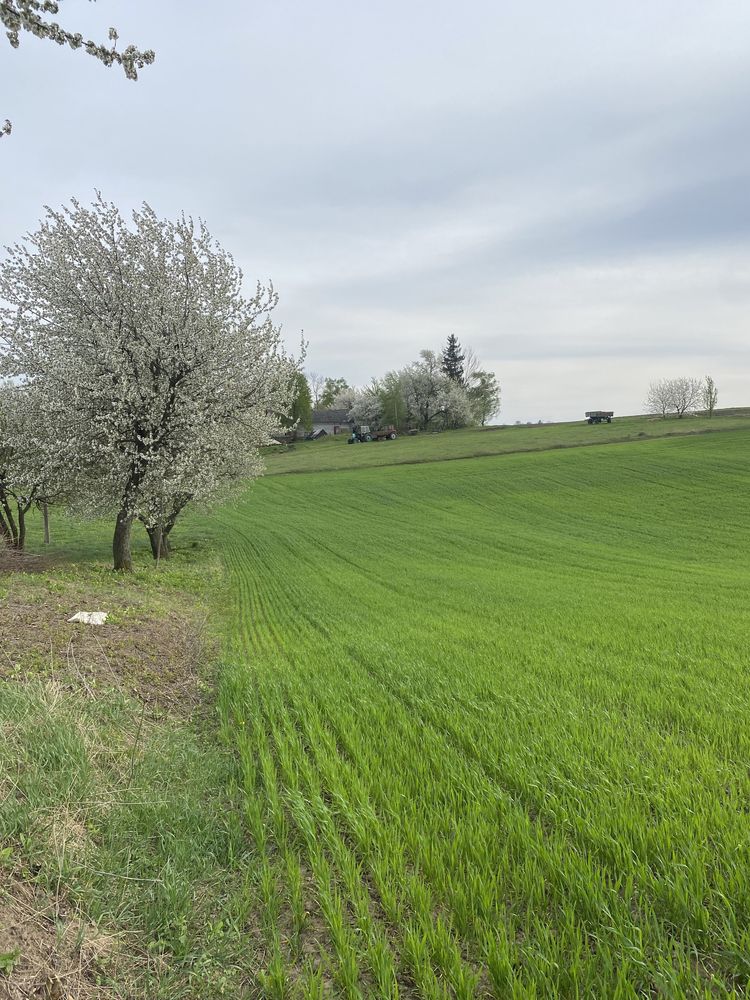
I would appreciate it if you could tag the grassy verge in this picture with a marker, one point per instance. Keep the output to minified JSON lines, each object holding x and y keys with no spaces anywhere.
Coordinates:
{"x":120,"y":841}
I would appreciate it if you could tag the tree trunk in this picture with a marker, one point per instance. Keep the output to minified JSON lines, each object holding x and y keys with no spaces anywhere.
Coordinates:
{"x":45,"y":521}
{"x":21,"y":536}
{"x":5,"y":530}
{"x":159,"y":539}
{"x":121,"y":542}
{"x":10,"y":522}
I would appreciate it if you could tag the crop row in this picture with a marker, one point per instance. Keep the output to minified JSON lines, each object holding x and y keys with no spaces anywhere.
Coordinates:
{"x":491,"y":728}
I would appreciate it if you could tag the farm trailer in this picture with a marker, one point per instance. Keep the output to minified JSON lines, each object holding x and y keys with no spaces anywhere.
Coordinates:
{"x":599,"y":416}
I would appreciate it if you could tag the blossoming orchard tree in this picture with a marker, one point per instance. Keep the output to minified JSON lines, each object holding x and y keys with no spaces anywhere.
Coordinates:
{"x":156,"y":380}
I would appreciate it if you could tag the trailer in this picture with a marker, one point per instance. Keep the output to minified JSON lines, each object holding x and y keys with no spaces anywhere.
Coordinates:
{"x":363,"y":433}
{"x":599,"y":416}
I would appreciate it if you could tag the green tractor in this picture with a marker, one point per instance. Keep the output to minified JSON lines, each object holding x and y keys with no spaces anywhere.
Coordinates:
{"x":363,"y":433}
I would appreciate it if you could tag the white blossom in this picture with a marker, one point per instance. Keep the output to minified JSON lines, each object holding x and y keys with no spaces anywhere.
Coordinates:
{"x":21,"y":479}
{"x":365,"y":405}
{"x":431,"y":397}
{"x":32,"y":16}
{"x":156,"y":380}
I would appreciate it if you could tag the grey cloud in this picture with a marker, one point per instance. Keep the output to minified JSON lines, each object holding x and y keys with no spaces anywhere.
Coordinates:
{"x":545,"y":183}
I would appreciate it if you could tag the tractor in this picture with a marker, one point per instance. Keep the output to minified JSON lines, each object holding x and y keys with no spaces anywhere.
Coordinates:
{"x":363,"y":433}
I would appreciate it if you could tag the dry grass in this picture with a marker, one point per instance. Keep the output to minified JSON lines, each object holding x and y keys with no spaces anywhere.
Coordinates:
{"x":115,"y":827}
{"x":149,"y":654}
{"x":51,"y":952}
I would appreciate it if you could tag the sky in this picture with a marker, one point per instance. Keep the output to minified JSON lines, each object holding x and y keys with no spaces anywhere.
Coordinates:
{"x":564,"y":186}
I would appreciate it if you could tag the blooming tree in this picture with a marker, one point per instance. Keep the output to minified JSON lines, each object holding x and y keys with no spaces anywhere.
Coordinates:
{"x":424,"y":395}
{"x":156,"y":380}
{"x":366,"y":406}
{"x":33,"y":16}
{"x":422,"y":383}
{"x":431,"y":397}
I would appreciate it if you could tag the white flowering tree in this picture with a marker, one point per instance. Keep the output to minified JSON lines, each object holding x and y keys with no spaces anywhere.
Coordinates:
{"x":156,"y":379}
{"x":365,"y":405}
{"x":431,"y":397}
{"x":34,"y":17}
{"x":674,"y":395}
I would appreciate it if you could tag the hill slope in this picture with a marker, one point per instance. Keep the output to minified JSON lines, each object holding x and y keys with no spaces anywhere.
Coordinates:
{"x":491,"y":716}
{"x":333,"y":453}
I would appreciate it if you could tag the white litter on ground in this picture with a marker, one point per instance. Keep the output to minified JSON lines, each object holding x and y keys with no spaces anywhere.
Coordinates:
{"x":89,"y":617}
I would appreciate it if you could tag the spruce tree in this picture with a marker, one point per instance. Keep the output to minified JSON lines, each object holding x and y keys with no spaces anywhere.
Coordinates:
{"x":452,"y":361}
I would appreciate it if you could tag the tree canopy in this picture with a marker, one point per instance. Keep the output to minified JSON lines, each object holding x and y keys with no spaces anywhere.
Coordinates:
{"x":676,"y":395}
{"x":152,"y":380}
{"x":423,"y":396}
{"x":332,"y":388}
{"x":301,"y":410}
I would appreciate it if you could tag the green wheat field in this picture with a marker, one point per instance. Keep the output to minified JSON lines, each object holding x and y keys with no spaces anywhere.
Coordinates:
{"x":492,"y":718}
{"x":483,"y":727}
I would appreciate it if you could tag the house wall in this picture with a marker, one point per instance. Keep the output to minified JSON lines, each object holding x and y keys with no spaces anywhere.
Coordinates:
{"x":331,"y":428}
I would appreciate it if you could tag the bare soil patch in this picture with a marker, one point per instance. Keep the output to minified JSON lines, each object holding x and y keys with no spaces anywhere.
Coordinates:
{"x":153,"y":655}
{"x":156,"y":649}
{"x":13,"y":561}
{"x":49,"y":952}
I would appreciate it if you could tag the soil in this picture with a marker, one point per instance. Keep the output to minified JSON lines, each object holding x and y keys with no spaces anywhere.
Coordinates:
{"x":47,"y":952}
{"x":152,"y":657}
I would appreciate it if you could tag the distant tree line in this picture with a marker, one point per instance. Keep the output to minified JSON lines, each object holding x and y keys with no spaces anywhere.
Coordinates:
{"x":438,"y":391}
{"x":682,"y":395}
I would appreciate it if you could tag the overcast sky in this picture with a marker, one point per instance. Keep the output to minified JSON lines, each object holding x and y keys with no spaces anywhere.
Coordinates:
{"x":564,"y":186}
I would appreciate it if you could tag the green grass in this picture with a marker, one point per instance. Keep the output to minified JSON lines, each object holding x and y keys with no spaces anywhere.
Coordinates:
{"x":129,"y":823}
{"x":491,"y":717}
{"x":482,"y":728}
{"x":113,"y":811}
{"x":333,"y":453}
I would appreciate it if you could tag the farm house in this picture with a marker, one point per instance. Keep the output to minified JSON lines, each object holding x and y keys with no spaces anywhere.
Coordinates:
{"x":330,"y":421}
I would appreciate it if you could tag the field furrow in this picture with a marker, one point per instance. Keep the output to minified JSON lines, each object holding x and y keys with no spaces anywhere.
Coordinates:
{"x":492,"y":722}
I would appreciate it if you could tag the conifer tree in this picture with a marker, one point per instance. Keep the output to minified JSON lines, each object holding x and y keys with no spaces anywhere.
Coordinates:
{"x":452,"y":360}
